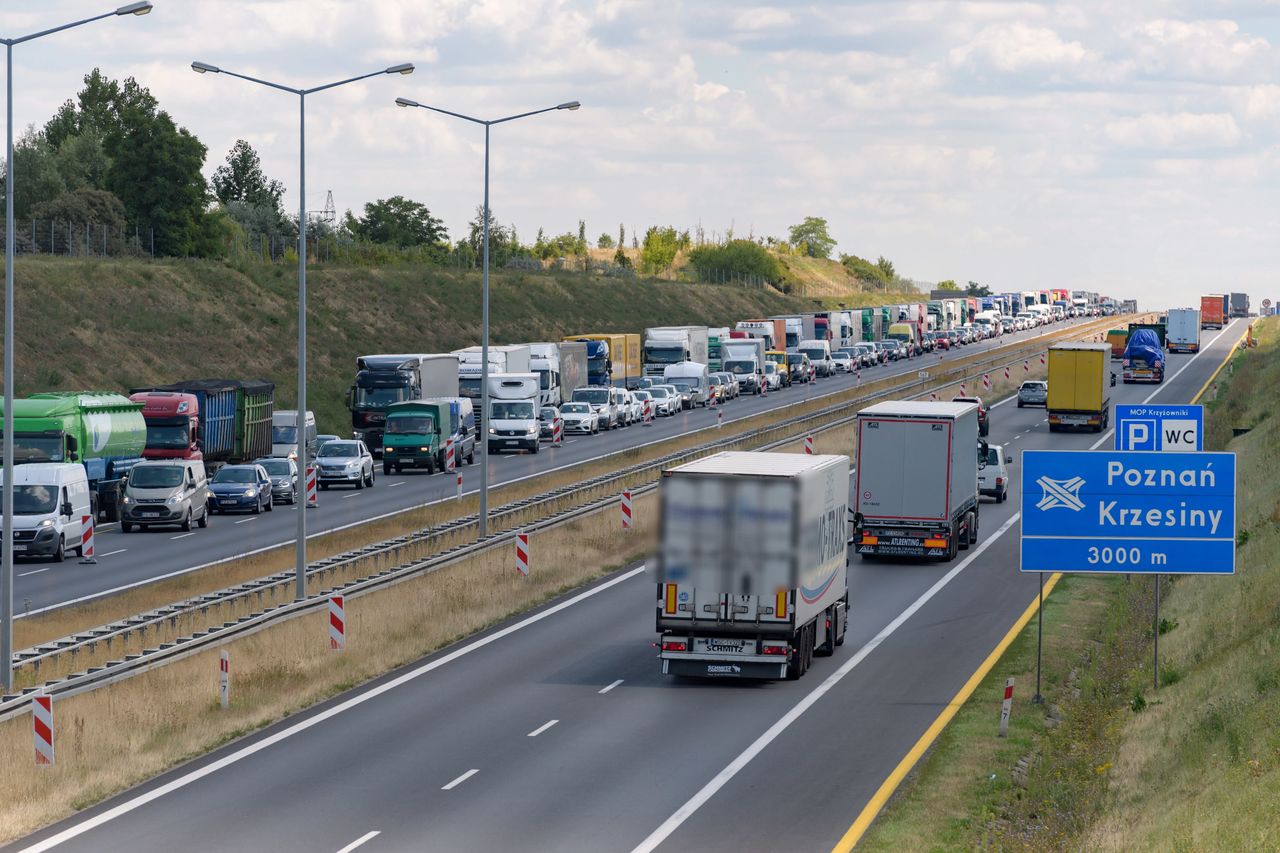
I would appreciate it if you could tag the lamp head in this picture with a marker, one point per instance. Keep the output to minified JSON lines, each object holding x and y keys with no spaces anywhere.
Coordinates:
{"x":405,"y":102}
{"x":134,"y":9}
{"x":402,"y":68}
{"x":202,"y":67}
{"x":568,"y":105}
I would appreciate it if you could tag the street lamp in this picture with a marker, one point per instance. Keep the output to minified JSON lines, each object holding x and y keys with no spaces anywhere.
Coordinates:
{"x":300,"y":569}
{"x":6,"y":492}
{"x":484,"y":301}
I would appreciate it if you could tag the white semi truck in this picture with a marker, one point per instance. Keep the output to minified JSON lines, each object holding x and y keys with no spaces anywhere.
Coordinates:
{"x":744,"y":358}
{"x":1183,"y":331}
{"x":513,"y":358}
{"x":752,"y":564}
{"x":667,"y":345}
{"x":561,"y":369}
{"x":917,"y":479}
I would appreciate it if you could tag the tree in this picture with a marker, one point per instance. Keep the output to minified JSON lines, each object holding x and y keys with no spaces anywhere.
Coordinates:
{"x":604,"y":241}
{"x":498,"y":238}
{"x":812,"y":237}
{"x":241,"y":179}
{"x":397,"y":221}
{"x":737,"y":258}
{"x":949,"y":284}
{"x":886,"y":267}
{"x":975,"y":289}
{"x":96,"y":207}
{"x":661,"y":244}
{"x":865,"y":271}
{"x":620,"y":259}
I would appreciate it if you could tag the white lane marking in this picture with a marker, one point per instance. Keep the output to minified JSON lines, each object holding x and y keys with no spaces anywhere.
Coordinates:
{"x":398,"y":483}
{"x":464,"y":777}
{"x":610,"y":687}
{"x":1110,"y":432}
{"x":722,"y":778}
{"x":185,"y":535}
{"x":542,"y":728}
{"x":352,"y":495}
{"x":117,"y":551}
{"x":34,"y":572}
{"x":393,"y":513}
{"x":1018,"y":436}
{"x":246,"y":520}
{"x":297,"y":728}
{"x":368,"y":836}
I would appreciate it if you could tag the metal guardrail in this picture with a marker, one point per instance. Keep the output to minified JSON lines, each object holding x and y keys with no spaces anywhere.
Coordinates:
{"x":819,"y":420}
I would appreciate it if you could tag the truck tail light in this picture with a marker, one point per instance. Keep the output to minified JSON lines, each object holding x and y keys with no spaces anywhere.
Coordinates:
{"x":669,"y":604}
{"x":780,"y":604}
{"x":779,"y":649}
{"x":675,"y":646}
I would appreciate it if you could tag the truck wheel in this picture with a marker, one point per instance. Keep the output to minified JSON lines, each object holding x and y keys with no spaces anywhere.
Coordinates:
{"x":828,"y":646}
{"x":973,"y":528}
{"x":964,"y":538}
{"x":386,"y":468}
{"x":795,"y":668}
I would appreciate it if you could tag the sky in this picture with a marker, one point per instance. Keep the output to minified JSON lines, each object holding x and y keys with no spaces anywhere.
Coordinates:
{"x":1132,"y":148}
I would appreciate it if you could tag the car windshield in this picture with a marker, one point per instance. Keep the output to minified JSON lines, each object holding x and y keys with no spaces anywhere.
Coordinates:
{"x":770,"y":367}
{"x":840,"y":356}
{"x":682,"y":387}
{"x":235,"y":474}
{"x":547,"y":413}
{"x":814,"y":353}
{"x":155,"y":476}
{"x":511,"y":410}
{"x":575,"y":409}
{"x":284,"y":435}
{"x":659,"y":393}
{"x":338,"y":449}
{"x":642,"y":395}
{"x":594,"y":396}
{"x":740,"y":366}
{"x":793,"y":358}
{"x":277,"y":467}
{"x":34,"y":499}
{"x":411,"y":424}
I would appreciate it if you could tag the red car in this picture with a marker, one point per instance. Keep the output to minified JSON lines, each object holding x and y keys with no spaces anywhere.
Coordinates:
{"x":983,"y":425}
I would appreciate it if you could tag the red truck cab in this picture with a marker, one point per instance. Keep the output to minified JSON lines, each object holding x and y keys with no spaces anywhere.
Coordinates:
{"x":173,"y":421}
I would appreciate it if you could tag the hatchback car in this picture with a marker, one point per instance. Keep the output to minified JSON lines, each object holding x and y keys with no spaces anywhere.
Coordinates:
{"x":772,"y":378}
{"x":843,"y":362}
{"x":1034,"y":392}
{"x":240,"y":487}
{"x":548,"y":417}
{"x":284,"y":478}
{"x":344,"y":462}
{"x":664,"y":400}
{"x":580,"y":418}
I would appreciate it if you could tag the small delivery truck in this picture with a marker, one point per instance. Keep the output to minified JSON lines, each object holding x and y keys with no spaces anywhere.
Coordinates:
{"x":1079,"y":386}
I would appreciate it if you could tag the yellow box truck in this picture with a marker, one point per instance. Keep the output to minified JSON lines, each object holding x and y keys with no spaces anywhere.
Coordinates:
{"x":1079,"y":386}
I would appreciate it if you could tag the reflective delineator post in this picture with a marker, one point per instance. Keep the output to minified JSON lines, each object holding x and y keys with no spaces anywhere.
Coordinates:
{"x":808,"y":445}
{"x":86,"y":540}
{"x":719,"y":418}
{"x":1006,"y":707}
{"x":1026,"y":367}
{"x":42,"y":728}
{"x":648,"y":412}
{"x":1006,"y":372}
{"x":963,"y":392}
{"x":522,"y":553}
{"x":458,"y":475}
{"x":557,"y":433}
{"x":337,"y":623}
{"x":224,"y":679}
{"x":986,"y":382}
{"x":626,"y":509}
{"x":312,"y":500}
{"x":450,"y":461}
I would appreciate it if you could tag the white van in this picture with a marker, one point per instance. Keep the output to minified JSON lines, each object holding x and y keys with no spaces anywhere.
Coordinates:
{"x":819,"y":353}
{"x":165,"y":492}
{"x":50,"y":501}
{"x":513,"y":412}
{"x":284,"y":433}
{"x":993,"y":477}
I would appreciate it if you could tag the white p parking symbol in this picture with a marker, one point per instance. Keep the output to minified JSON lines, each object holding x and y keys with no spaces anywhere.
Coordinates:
{"x":1140,"y":435}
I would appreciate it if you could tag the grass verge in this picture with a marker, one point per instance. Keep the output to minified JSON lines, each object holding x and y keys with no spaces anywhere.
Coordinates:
{"x":168,"y":715}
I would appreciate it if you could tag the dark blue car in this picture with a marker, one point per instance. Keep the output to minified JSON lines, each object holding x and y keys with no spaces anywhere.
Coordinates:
{"x":240,"y":487}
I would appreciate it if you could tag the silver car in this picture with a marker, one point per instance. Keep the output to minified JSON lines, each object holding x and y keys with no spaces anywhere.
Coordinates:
{"x":344,"y":462}
{"x":580,"y":418}
{"x":665,"y":400}
{"x":1034,"y":392}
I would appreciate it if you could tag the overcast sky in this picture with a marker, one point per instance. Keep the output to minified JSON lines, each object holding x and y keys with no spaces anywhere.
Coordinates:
{"x":1129,"y":147}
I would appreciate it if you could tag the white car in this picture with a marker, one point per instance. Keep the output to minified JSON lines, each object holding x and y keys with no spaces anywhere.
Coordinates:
{"x":772,"y":376}
{"x":843,"y":362}
{"x":666,"y":402}
{"x":580,"y":418}
{"x":993,"y":478}
{"x":641,"y":397}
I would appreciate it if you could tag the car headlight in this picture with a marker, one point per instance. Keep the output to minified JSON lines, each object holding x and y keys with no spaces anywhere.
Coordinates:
{"x":126,"y":500}
{"x":492,"y":431}
{"x":424,"y":449}
{"x":174,"y":501}
{"x":48,"y":522}
{"x":533,"y":430}
{"x":352,"y":463}
{"x":250,"y":492}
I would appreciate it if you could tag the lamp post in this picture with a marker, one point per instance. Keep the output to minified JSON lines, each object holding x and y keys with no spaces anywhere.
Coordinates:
{"x":300,"y":569}
{"x":6,"y":492}
{"x":484,"y":299}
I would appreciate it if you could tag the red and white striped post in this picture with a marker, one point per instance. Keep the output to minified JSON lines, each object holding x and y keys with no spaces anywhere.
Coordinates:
{"x":719,"y":418}
{"x":86,"y":540}
{"x":557,"y":432}
{"x":1006,"y":707}
{"x":522,"y":553}
{"x":808,"y":445}
{"x":42,"y":728}
{"x":450,"y":460}
{"x":764,"y":384}
{"x":648,"y":412}
{"x":986,"y":382}
{"x":1006,"y":372}
{"x":1042,"y":359}
{"x":1026,"y":367}
{"x":337,"y":623}
{"x":224,"y":679}
{"x":458,"y":480}
{"x":933,"y":395}
{"x":312,"y":500}
{"x":626,"y":509}
{"x":963,"y":392}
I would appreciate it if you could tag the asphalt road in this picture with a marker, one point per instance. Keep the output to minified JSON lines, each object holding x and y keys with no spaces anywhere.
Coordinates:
{"x":134,"y":559}
{"x":556,"y":730}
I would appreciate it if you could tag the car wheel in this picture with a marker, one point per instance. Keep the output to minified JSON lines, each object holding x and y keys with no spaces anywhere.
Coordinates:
{"x":1019,"y":404}
{"x":271,"y":504}
{"x":186,"y":521}
{"x":257,"y":507}
{"x":360,"y":482}
{"x":126,"y":527}
{"x":372,"y":476}
{"x":204,"y":518}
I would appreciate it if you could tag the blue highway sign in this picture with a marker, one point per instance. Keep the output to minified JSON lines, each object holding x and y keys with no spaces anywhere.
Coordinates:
{"x":1159,"y":427}
{"x":1117,"y":511}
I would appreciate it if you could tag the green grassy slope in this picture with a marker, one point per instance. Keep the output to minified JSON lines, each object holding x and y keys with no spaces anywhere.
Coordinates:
{"x":112,"y":324}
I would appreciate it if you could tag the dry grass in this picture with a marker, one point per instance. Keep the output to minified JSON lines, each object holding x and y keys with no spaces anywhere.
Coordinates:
{"x":168,"y":715}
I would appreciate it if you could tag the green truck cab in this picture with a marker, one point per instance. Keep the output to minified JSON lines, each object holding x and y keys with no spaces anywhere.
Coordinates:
{"x":105,"y":432}
{"x":415,"y":436}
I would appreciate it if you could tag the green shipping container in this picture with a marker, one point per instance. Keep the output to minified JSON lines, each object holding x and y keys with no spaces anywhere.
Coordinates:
{"x":255,"y":404}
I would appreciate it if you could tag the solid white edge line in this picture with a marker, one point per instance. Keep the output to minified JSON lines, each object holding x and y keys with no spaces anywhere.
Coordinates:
{"x":368,"y":836}
{"x":299,"y":727}
{"x":722,"y":778}
{"x":370,"y":520}
{"x":542,"y":728}
{"x":604,"y":690}
{"x":464,"y":777}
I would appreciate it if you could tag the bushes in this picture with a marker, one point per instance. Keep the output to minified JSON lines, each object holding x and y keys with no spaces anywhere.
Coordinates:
{"x":739,"y":258}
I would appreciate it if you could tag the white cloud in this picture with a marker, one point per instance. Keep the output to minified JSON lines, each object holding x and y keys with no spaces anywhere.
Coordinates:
{"x":1197,"y":49}
{"x":1015,"y":47}
{"x":1174,"y":130}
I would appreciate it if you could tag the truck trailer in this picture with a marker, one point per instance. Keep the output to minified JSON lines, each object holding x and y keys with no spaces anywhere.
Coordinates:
{"x":235,"y":417}
{"x":561,"y":369}
{"x":752,"y":564}
{"x":1143,"y":359}
{"x":916,"y":490}
{"x":1238,"y":305}
{"x":1079,"y":386}
{"x":1213,"y":311}
{"x":1183,"y":331}
{"x":667,"y":345}
{"x":613,"y":360}
{"x":511,"y":358}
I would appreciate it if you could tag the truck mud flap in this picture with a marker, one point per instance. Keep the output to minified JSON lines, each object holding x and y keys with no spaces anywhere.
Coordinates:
{"x":724,"y":669}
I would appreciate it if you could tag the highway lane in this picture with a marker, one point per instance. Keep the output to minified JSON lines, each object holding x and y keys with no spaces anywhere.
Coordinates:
{"x":621,"y":758}
{"x":137,"y":558}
